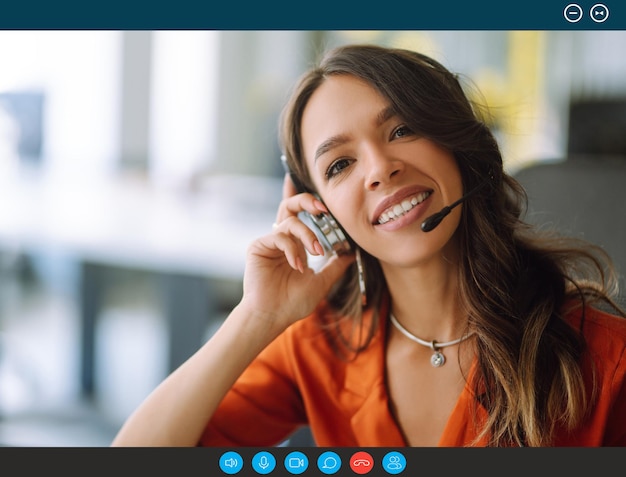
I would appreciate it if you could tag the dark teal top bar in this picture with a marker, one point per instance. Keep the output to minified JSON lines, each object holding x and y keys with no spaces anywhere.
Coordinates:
{"x":313,"y":15}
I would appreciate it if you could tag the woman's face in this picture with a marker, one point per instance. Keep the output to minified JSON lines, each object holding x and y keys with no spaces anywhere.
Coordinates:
{"x":378,"y":178}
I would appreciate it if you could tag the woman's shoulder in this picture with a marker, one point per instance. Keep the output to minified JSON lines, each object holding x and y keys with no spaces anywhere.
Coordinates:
{"x":309,"y":336}
{"x":313,"y":325}
{"x":597,"y":318}
{"x":325,"y":332}
{"x":604,"y":331}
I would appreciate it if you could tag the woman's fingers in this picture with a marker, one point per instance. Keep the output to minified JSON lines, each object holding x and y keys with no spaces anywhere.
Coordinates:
{"x":292,"y":206}
{"x":294,"y":227}
{"x":290,"y":248}
{"x":292,"y":236}
{"x":294,"y":202}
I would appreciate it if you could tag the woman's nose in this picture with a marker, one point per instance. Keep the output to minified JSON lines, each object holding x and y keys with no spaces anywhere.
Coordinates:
{"x":381,"y":168}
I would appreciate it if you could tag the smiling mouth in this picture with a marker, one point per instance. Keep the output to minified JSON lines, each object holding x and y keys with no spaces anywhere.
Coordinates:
{"x":398,"y":210}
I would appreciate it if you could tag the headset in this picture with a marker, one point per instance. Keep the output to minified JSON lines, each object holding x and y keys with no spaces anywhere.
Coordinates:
{"x":325,"y":227}
{"x":334,"y":239}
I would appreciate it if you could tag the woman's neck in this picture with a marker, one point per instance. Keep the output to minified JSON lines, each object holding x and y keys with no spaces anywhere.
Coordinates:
{"x":425,"y":299}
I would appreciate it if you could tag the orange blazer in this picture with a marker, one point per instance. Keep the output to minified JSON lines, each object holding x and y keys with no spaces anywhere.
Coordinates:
{"x":297,"y":380}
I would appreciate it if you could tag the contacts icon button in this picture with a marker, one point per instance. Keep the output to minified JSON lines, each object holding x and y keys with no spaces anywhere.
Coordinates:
{"x":573,"y":13}
{"x":394,"y":463}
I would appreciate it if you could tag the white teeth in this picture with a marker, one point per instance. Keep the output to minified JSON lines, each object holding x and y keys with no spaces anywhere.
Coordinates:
{"x":402,"y":208}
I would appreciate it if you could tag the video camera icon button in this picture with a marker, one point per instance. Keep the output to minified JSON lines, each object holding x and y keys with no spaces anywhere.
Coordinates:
{"x":573,"y":13}
{"x":231,"y":462}
{"x":599,"y":13}
{"x":296,"y":462}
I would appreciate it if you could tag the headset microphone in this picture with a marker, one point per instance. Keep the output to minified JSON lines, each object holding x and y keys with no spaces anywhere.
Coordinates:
{"x":434,"y":220}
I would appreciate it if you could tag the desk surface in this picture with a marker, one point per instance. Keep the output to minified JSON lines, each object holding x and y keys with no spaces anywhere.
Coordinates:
{"x":128,"y":223}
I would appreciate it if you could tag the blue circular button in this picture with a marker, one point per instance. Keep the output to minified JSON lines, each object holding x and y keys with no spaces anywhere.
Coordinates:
{"x":263,"y":462}
{"x":329,"y":462}
{"x":394,"y":462}
{"x":231,"y":462}
{"x":296,"y":462}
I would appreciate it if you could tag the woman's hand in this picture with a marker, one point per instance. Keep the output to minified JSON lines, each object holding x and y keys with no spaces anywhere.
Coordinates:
{"x":277,"y":281}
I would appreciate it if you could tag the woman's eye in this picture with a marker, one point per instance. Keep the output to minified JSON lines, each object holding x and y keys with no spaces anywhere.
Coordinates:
{"x":402,"y":131}
{"x":336,"y":167}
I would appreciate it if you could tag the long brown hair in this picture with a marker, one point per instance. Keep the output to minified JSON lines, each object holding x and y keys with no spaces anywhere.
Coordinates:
{"x":515,"y":280}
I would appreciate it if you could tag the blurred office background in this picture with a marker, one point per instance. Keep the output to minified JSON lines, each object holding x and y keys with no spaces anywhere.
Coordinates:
{"x":136,"y":166}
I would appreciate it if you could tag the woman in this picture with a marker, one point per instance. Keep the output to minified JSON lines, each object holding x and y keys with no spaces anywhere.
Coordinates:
{"x":479,"y":331}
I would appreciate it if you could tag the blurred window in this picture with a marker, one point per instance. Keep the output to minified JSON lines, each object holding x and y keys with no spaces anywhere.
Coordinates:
{"x":183,"y":105}
{"x":62,"y":98}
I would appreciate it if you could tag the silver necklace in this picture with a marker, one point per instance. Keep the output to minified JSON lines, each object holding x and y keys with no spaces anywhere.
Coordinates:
{"x":437,"y":359}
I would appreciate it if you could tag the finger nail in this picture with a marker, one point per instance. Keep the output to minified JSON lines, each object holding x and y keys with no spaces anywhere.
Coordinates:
{"x":320,"y":206}
{"x":318,"y":248}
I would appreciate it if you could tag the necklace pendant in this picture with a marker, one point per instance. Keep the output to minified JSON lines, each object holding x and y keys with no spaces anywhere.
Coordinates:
{"x":437,"y":359}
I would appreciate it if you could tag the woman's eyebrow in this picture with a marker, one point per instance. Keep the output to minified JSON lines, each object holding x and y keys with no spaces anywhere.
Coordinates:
{"x":384,"y":115}
{"x":330,"y":143}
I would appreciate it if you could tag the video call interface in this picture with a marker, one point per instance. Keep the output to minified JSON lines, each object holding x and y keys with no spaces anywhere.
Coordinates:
{"x":532,"y":79}
{"x":553,"y":91}
{"x":540,"y":82}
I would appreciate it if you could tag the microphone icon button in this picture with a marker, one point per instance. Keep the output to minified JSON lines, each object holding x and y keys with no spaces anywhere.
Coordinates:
{"x":263,"y":462}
